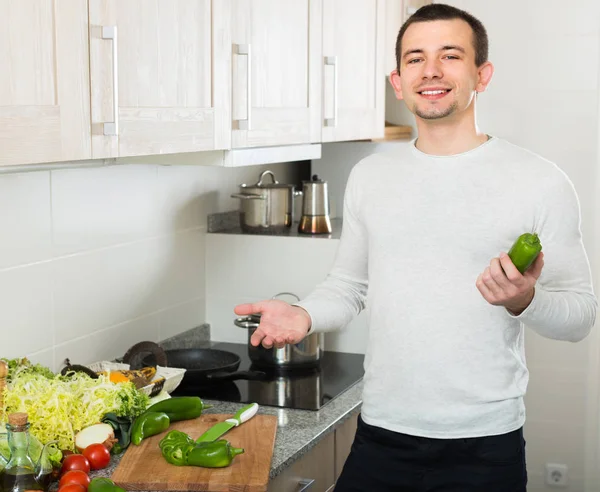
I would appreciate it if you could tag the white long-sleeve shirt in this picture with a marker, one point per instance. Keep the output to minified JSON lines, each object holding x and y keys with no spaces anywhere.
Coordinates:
{"x":417,"y":231}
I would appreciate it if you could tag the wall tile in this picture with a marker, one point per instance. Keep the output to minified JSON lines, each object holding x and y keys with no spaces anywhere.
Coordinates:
{"x":179,"y":200}
{"x":99,"y":207}
{"x":25,"y":218}
{"x":106,"y":287}
{"x":43,"y":357}
{"x":181,"y":257}
{"x":113,"y":342}
{"x":26,"y":314}
{"x":180,"y":318}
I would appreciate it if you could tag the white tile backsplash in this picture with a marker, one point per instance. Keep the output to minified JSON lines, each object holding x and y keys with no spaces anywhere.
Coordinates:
{"x":25,"y":218}
{"x":98,"y":207}
{"x":181,"y":274}
{"x":94,"y":260}
{"x":26,"y":314}
{"x":106,"y":287}
{"x":177,"y":319}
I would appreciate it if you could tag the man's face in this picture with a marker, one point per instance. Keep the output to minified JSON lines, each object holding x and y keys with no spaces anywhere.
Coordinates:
{"x":438,"y":77}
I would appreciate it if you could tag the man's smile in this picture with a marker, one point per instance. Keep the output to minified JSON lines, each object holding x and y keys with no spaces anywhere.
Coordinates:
{"x":434,"y":94}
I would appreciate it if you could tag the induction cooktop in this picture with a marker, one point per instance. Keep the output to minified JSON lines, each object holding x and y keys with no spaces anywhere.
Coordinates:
{"x":302,"y":388}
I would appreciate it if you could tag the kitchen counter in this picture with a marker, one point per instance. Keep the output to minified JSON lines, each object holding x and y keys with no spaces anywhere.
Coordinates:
{"x":297,"y":431}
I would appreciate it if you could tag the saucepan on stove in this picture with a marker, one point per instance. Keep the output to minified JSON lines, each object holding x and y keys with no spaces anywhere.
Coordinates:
{"x":306,"y":353}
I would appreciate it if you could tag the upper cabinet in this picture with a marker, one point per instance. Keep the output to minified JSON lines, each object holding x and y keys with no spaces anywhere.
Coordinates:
{"x":276,"y":57}
{"x":353,"y":70}
{"x":44,"y":81}
{"x":261,"y":80}
{"x":160,"y":78}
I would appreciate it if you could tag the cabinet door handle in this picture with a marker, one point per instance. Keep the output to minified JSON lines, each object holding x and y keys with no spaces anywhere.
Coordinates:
{"x":305,"y":484}
{"x":112,"y":127}
{"x":245,"y":49}
{"x":333,"y":61}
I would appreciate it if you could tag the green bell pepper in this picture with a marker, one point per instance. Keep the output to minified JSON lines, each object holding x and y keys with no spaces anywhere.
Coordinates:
{"x":215,"y":454}
{"x":180,"y":407}
{"x":149,"y":424}
{"x":102,"y":484}
{"x":525,"y":250}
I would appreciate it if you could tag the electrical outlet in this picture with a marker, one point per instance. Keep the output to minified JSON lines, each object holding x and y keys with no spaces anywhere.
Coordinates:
{"x":556,"y":474}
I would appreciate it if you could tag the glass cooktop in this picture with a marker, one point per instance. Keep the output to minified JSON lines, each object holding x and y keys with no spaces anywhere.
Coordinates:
{"x":308,"y":389}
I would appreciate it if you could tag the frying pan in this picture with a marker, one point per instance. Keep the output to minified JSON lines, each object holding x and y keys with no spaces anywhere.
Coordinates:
{"x":207,"y":365}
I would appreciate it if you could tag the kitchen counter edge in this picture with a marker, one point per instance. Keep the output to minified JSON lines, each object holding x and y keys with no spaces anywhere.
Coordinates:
{"x":298,"y":431}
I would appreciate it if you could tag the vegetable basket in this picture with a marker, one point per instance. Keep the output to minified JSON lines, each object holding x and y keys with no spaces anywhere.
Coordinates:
{"x":173,"y":376}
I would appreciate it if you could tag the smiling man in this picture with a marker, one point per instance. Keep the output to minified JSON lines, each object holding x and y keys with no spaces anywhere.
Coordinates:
{"x":423,"y":246}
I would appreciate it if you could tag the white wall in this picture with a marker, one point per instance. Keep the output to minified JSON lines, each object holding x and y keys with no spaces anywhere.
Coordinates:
{"x":544,"y":96}
{"x":94,"y":260}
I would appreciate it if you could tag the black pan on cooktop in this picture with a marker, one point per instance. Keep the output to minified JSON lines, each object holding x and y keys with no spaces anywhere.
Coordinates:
{"x":307,"y":389}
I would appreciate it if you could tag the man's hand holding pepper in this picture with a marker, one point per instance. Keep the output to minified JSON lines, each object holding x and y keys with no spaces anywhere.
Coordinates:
{"x":501,"y":284}
{"x":280,"y":323}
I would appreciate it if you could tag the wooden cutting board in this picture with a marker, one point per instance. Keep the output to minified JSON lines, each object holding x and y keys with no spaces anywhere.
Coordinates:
{"x":144,"y":468}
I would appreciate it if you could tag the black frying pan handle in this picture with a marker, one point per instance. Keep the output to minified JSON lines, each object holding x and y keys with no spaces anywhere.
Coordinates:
{"x":232,"y":376}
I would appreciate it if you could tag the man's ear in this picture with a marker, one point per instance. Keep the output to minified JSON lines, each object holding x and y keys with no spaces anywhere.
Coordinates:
{"x":485,"y":73}
{"x":395,"y":81}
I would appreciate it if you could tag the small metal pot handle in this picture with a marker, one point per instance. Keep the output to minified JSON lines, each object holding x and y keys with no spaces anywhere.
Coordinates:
{"x":248,"y":196}
{"x":263,"y":174}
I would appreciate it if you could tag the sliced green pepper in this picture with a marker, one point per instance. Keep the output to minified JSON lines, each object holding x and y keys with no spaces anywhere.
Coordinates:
{"x":149,"y":424}
{"x":525,"y":250}
{"x":215,"y":454}
{"x":180,"y":407}
{"x":175,"y":447}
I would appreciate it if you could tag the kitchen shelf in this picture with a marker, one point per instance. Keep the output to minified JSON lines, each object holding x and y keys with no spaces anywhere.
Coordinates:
{"x":395,"y":132}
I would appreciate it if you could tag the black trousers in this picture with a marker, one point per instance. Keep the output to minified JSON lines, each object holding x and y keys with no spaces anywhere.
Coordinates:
{"x":385,"y":461}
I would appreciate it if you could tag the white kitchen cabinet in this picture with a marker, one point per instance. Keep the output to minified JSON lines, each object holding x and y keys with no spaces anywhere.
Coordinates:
{"x":353,"y":69}
{"x":44,"y":81}
{"x":276,"y":82}
{"x":160,"y":77}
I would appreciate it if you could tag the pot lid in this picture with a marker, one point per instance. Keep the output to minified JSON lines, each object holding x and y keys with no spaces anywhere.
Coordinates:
{"x":273,"y":184}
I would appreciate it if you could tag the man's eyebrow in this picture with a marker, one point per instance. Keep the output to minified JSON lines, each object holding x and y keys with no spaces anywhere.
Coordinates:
{"x":443,"y":48}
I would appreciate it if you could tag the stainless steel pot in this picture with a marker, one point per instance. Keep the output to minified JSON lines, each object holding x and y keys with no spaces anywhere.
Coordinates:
{"x":266,"y":207}
{"x":306,"y":353}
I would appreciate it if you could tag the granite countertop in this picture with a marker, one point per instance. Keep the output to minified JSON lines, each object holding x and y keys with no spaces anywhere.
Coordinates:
{"x":297,"y":430}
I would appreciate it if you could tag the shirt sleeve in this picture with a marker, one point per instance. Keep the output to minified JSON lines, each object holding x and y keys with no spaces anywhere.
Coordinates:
{"x":342,"y":295}
{"x":564,"y":304}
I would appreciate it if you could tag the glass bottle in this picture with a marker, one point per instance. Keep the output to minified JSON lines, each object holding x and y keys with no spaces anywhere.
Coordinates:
{"x":21,"y":473}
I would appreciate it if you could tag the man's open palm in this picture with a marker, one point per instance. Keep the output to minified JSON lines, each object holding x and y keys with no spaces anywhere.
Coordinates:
{"x":280,"y":322}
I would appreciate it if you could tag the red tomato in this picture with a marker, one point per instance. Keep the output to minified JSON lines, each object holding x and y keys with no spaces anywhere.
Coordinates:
{"x":97,"y":455}
{"x":74,"y":477}
{"x":72,"y":487}
{"x":75,"y":462}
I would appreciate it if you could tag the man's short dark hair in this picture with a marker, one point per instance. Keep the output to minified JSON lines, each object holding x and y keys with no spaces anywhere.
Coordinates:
{"x":439,"y":11}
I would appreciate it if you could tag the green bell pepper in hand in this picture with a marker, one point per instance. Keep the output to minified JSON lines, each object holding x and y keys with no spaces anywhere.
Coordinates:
{"x":149,"y":424}
{"x":180,"y":407}
{"x":525,"y":250}
{"x":180,"y":449}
